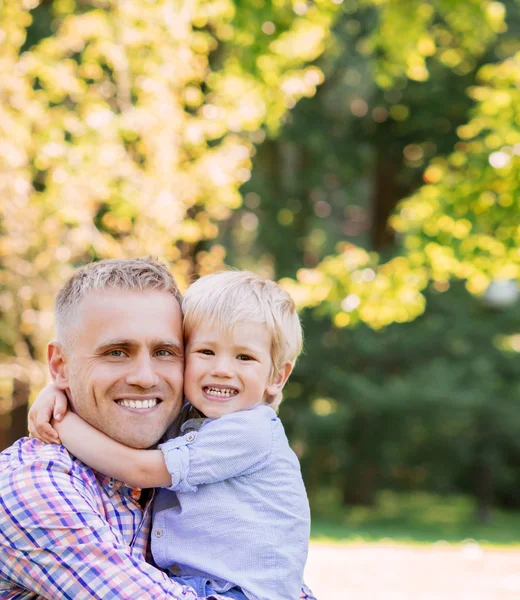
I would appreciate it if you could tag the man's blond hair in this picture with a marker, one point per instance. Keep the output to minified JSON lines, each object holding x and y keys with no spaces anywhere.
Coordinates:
{"x":229,"y":297}
{"x":116,"y":274}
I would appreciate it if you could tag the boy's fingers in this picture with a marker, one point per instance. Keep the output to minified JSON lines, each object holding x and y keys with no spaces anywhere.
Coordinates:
{"x":48,"y":434}
{"x":60,"y":406}
{"x":48,"y":430}
{"x":30,"y":421}
{"x":33,"y":430}
{"x":44,"y":417}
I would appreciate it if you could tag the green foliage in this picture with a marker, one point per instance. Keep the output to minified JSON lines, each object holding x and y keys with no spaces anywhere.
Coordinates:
{"x":417,"y":518}
{"x":423,"y":405}
{"x":466,"y":222}
{"x":127,"y":132}
{"x":455,"y":32}
{"x":349,"y":154}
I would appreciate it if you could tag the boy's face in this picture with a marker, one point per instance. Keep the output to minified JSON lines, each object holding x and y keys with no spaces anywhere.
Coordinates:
{"x":228,"y":371}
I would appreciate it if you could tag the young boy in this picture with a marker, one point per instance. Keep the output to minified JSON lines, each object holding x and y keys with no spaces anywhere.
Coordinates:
{"x":233,"y":505}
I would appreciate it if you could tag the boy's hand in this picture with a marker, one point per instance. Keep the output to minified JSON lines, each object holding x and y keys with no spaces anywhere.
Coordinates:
{"x":51,"y":403}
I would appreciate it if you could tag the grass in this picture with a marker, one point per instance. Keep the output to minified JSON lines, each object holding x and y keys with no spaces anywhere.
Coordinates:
{"x":412,"y":518}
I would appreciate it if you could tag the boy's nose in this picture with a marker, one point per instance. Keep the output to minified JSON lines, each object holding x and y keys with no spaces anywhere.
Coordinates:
{"x":222,"y":369}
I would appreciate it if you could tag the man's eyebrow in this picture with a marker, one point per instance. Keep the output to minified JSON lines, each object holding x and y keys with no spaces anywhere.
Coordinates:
{"x":131,"y":343}
{"x":125,"y":342}
{"x":172,"y":344}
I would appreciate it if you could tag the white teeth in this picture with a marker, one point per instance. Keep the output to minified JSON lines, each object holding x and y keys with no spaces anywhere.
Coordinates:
{"x":150,"y":403}
{"x":223,"y":392}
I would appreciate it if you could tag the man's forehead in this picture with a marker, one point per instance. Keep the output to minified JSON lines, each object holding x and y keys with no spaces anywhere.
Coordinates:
{"x":122,"y":312}
{"x":110,"y":294}
{"x":129,"y":300}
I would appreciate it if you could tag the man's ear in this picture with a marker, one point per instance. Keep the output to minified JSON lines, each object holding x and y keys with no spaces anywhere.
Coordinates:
{"x":279,"y":379}
{"x":58,"y":365}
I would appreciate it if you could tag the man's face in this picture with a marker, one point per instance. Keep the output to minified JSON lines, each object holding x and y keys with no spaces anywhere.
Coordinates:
{"x":124,"y":364}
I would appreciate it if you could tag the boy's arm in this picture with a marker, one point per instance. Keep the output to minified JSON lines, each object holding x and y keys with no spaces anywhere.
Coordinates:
{"x":236,"y":444}
{"x":138,"y":468}
{"x":50,"y":402}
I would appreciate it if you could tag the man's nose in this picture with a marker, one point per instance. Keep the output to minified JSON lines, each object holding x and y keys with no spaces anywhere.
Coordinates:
{"x":142,"y":373}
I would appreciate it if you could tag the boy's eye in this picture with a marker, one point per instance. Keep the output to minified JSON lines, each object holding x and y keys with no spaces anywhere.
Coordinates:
{"x":244,"y":357}
{"x":205,"y":351}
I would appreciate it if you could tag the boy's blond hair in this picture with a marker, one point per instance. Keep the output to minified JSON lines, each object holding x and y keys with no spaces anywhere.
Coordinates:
{"x":229,"y":297}
{"x":121,"y":274}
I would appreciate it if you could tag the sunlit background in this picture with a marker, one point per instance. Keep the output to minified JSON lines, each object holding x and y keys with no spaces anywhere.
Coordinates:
{"x":366,"y":154}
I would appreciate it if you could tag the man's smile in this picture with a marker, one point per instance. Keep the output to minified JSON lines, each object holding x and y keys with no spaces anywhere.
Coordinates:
{"x":141,"y":404}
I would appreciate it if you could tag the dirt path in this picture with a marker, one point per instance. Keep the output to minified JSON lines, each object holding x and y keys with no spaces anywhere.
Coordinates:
{"x":437,"y":572}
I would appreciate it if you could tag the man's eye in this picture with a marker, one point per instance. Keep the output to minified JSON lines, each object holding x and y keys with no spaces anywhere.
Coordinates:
{"x":163,"y":353}
{"x":116,"y":353}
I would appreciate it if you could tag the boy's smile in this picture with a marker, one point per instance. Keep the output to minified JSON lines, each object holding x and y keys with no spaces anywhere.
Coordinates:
{"x":214,"y":392}
{"x":228,"y":371}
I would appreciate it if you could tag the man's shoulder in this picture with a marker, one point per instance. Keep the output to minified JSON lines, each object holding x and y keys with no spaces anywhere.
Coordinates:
{"x":43,"y":462}
{"x":40,"y":484}
{"x":31,"y":452}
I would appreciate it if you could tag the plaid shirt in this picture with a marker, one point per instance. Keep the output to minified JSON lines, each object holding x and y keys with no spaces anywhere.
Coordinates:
{"x":67,"y":532}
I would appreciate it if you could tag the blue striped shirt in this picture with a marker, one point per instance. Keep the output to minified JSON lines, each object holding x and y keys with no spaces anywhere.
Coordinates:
{"x":239,"y":514}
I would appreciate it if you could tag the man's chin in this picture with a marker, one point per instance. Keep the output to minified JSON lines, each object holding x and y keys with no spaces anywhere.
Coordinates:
{"x":139,"y":441}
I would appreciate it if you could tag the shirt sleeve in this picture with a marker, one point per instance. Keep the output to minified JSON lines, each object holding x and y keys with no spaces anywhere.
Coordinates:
{"x":56,"y":542}
{"x":306,"y":594}
{"x":233,"y":445}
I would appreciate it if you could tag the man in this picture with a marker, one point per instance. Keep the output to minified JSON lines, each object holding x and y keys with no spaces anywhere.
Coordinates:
{"x":65,"y":530}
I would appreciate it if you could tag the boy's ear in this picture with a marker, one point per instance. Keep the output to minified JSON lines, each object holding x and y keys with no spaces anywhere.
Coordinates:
{"x":58,"y":365}
{"x":279,"y":380}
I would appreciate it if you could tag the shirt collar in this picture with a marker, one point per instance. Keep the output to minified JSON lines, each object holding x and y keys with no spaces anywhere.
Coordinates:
{"x":193,"y":419}
{"x":111,"y":486}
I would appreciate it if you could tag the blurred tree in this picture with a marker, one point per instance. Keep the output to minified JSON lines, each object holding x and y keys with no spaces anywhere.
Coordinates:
{"x":431,"y":404}
{"x":352,"y":152}
{"x":464,"y":223}
{"x":332,"y":179}
{"x":127,"y":130}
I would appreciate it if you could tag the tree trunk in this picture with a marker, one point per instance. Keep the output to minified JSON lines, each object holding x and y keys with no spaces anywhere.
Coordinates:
{"x":359,"y":489}
{"x":13,"y":424}
{"x":387,"y":193}
{"x":484,"y":490}
{"x":360,"y":484}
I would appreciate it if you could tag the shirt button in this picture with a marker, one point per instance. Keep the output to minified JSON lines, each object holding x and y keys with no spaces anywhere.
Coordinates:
{"x":111,"y":483}
{"x":158,"y":532}
{"x":176,"y":569}
{"x":190,"y":437}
